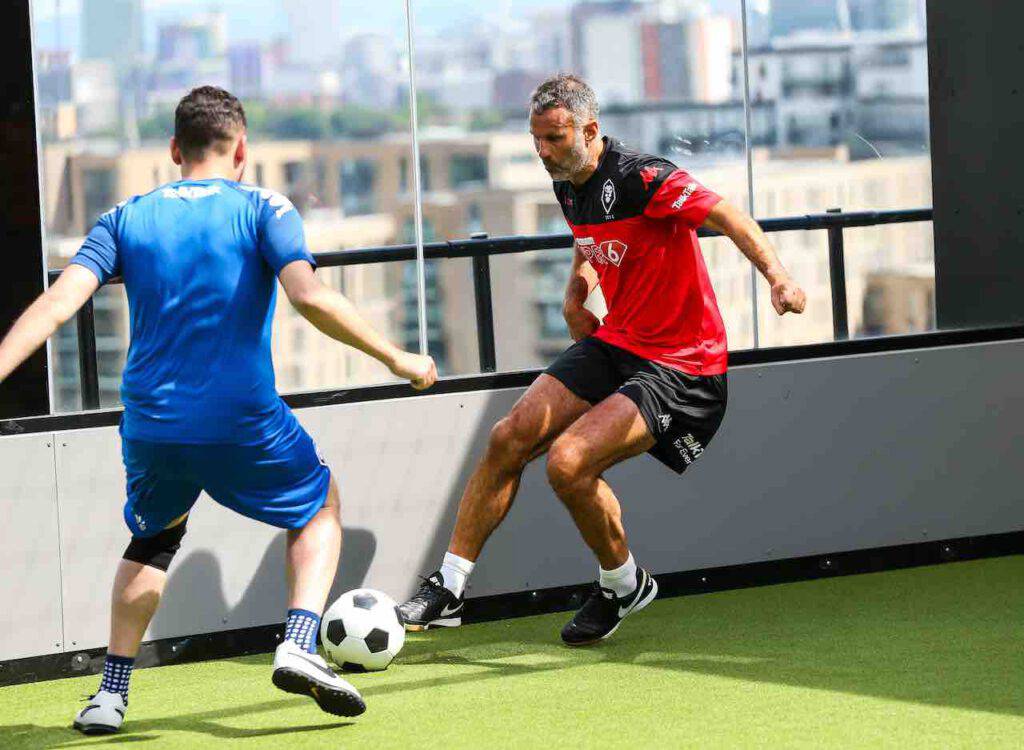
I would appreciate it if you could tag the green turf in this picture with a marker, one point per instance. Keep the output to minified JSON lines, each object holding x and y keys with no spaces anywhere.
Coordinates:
{"x":929,"y":657}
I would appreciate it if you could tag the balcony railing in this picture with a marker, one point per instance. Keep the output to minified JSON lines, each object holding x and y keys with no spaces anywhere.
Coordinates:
{"x":480,"y":248}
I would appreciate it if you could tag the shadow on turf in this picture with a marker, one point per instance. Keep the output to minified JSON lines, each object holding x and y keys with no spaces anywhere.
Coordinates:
{"x":944,"y":637}
{"x":144,"y":730}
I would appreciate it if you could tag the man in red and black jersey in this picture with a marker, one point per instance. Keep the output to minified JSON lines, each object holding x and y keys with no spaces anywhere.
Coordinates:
{"x":650,"y":377}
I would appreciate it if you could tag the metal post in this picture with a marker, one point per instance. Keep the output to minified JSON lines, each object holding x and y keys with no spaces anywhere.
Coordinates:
{"x":484,"y":308}
{"x":837,"y":275}
{"x":748,"y":144}
{"x":414,"y":124}
{"x":88,"y":366}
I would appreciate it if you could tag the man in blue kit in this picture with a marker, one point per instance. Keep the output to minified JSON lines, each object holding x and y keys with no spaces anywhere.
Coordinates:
{"x":199,"y":259}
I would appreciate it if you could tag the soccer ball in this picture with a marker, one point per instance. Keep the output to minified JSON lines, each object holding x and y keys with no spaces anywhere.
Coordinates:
{"x":362,"y":631}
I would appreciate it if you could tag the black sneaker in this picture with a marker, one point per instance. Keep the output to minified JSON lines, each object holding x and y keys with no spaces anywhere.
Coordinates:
{"x":603,"y":612}
{"x":433,"y":606}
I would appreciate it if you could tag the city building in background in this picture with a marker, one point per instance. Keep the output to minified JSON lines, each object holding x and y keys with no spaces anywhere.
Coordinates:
{"x":112,"y":30}
{"x":838,"y":114}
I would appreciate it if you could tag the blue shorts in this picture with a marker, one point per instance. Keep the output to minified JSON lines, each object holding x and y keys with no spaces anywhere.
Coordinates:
{"x":281,"y":481}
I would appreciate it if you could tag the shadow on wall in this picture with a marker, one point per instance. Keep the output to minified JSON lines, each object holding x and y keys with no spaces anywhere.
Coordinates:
{"x":195,"y":597}
{"x":497,"y":407}
{"x":543,"y":523}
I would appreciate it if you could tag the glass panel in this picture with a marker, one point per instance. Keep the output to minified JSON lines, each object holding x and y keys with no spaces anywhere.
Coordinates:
{"x":730,"y":277}
{"x":890,"y":279}
{"x":665,"y":79}
{"x":805,"y":254}
{"x":324,"y":83}
{"x":844,"y":88}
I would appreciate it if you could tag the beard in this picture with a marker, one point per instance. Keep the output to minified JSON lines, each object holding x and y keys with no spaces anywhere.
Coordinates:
{"x":572,"y":164}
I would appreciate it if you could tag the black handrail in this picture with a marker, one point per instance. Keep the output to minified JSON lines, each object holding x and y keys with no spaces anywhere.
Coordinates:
{"x":837,"y":279}
{"x":481,"y":247}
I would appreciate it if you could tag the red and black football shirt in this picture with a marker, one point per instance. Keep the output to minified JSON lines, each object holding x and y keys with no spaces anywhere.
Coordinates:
{"x":635,"y":221}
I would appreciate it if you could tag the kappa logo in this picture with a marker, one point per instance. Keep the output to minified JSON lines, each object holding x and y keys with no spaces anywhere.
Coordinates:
{"x":122,"y":204}
{"x":610,"y":251}
{"x":649,"y":175}
{"x":275,"y":199}
{"x":140,"y":521}
{"x":684,"y":196}
{"x":608,"y":196}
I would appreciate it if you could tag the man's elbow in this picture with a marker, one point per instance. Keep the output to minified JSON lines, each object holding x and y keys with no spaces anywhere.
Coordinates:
{"x":305,"y":302}
{"x":57,"y":308}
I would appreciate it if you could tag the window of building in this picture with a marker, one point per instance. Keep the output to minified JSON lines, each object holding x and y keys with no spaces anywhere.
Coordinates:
{"x":98,"y":193}
{"x":467,"y":170}
{"x":358,"y":187}
{"x":405,"y":179}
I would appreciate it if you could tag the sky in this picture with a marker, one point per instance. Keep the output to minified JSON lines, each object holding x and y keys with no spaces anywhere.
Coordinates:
{"x":263,"y":19}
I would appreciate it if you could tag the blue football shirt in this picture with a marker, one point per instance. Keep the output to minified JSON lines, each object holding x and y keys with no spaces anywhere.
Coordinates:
{"x":200,"y":260}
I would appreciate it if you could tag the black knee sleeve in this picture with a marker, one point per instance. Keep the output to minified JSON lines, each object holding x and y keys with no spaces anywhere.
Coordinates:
{"x":158,"y":550}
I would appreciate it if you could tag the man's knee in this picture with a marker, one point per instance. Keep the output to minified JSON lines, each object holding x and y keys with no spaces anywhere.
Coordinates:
{"x":567,"y":466}
{"x":158,"y":550}
{"x":512,"y":440}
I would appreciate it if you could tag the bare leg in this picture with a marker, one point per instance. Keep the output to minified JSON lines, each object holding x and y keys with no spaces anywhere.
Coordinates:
{"x":311,"y":563}
{"x":611,"y":432}
{"x":312,"y":557}
{"x":544,"y":411}
{"x":133,"y":602}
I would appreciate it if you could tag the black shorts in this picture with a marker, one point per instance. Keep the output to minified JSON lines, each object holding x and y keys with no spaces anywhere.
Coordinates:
{"x":682,"y":411}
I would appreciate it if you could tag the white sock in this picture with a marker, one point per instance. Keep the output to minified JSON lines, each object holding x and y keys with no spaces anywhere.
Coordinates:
{"x":622,"y":580}
{"x":455,"y":571}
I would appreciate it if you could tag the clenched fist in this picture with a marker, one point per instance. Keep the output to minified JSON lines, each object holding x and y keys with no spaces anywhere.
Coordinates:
{"x":418,"y":369}
{"x":787,"y":296}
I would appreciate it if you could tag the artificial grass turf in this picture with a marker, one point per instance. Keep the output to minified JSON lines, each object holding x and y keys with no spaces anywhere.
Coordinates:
{"x":929,"y":657}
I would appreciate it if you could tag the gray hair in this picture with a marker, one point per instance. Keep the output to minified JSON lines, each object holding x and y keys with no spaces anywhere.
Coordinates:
{"x":569,"y":92}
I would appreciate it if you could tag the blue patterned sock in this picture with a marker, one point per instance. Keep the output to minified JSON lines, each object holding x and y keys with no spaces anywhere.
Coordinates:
{"x":117,"y":671}
{"x":301,"y":627}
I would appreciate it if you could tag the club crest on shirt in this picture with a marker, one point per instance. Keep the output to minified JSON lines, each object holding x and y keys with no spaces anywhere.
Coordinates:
{"x":608,"y":197}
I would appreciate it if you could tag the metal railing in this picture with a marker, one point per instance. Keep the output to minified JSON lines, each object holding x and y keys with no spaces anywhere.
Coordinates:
{"x":480,"y":248}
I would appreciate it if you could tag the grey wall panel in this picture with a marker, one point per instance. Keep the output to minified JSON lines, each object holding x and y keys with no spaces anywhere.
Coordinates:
{"x":229,"y":573}
{"x":90,"y":487}
{"x":813,"y":457}
{"x":30,"y":620}
{"x":401,"y":466}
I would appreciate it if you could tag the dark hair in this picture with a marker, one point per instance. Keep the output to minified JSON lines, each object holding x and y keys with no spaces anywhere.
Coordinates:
{"x":569,"y":92}
{"x":209,"y":117}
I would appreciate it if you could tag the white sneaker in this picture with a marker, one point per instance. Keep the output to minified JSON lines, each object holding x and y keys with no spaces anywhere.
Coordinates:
{"x":103,"y":715}
{"x":298,"y":671}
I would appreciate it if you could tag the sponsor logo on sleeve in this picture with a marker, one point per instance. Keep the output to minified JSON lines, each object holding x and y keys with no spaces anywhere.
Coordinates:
{"x":684,"y":196}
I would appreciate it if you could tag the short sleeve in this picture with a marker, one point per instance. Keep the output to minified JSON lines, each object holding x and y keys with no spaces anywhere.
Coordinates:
{"x":282,"y":237}
{"x":99,"y":251}
{"x":683,"y":198}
